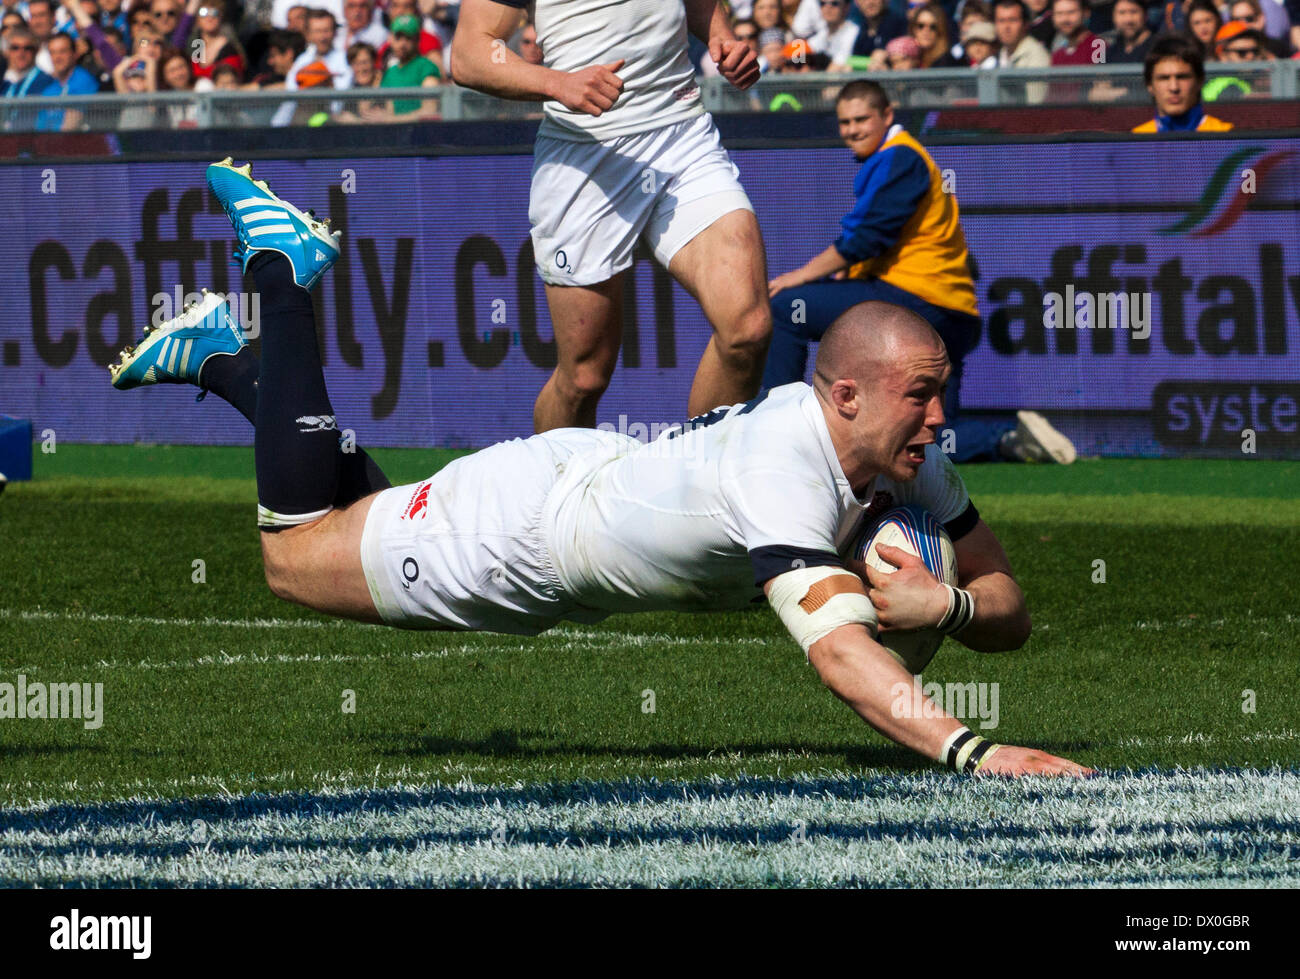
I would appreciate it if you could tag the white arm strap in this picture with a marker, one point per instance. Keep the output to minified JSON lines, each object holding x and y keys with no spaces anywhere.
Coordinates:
{"x":813,"y":602}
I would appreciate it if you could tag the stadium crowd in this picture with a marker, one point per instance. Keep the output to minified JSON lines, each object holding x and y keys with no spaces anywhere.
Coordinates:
{"x":80,"y":47}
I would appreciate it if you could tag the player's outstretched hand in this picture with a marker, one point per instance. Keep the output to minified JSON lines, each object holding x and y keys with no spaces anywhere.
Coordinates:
{"x":1012,"y":760}
{"x":736,"y":61}
{"x":591,"y":90}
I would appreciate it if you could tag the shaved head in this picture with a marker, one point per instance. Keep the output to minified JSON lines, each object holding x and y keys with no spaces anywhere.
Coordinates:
{"x":882,"y":375}
{"x":869,"y":339}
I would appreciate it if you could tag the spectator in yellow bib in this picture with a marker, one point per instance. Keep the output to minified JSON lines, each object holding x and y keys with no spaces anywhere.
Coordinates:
{"x":1174,"y":74}
{"x":902,"y":244}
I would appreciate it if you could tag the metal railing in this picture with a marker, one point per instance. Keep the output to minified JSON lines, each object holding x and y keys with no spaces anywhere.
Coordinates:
{"x":807,"y":92}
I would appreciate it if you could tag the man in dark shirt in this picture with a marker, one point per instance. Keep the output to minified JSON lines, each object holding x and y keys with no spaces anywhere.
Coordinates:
{"x":1131,"y":39}
{"x":282,"y":50}
{"x":877,"y":26}
{"x":1041,"y":28}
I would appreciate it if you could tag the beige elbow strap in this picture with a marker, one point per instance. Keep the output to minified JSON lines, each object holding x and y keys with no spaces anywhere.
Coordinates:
{"x":813,"y":602}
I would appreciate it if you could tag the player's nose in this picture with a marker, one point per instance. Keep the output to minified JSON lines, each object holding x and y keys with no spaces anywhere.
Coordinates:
{"x":934,"y":416}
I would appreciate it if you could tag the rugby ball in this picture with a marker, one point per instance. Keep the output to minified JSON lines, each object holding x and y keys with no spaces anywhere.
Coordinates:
{"x":913,"y":529}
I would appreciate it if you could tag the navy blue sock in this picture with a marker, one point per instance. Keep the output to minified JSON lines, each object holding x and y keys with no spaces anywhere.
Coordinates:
{"x":234,"y":379}
{"x":296,"y":445}
{"x":359,"y":476}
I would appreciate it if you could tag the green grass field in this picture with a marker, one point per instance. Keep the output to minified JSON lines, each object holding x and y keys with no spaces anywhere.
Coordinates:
{"x":225,"y":752}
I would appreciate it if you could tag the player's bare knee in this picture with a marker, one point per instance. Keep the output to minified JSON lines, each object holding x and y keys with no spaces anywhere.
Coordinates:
{"x":277,"y":580}
{"x":279,"y":567}
{"x":583,"y":382}
{"x":746,"y":338}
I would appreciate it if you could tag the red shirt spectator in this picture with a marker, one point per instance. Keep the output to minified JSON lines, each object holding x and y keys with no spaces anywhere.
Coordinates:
{"x":1074,"y":43}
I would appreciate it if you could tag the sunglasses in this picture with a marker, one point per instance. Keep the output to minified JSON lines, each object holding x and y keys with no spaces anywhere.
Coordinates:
{"x":209,"y":12}
{"x":164,"y":13}
{"x":831,"y":3}
{"x":927,"y":27}
{"x":22,"y":47}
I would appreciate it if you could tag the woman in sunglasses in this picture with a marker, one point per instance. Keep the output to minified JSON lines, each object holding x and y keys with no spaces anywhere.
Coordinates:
{"x":167,"y":19}
{"x":927,"y":24}
{"x":213,"y":42}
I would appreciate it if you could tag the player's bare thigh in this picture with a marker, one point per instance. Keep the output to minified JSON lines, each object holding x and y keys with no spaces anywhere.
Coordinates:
{"x":319,"y":564}
{"x":724,"y":267}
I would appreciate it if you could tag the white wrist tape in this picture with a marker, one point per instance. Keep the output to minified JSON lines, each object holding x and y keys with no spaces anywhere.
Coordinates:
{"x":965,"y":751}
{"x":813,"y":602}
{"x":961,"y":610}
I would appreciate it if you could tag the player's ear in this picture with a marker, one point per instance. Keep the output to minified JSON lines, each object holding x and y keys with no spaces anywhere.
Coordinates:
{"x":844,"y":395}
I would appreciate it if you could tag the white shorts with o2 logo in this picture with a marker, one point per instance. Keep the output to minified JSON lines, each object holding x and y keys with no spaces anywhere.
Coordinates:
{"x":469,"y":547}
{"x":591,"y":201}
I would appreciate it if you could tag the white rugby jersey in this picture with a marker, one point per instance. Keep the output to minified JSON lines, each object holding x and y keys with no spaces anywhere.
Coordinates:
{"x":659,"y":85}
{"x":700,"y":520}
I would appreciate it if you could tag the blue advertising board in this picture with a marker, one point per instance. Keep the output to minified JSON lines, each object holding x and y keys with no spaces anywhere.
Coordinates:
{"x":435,"y":330}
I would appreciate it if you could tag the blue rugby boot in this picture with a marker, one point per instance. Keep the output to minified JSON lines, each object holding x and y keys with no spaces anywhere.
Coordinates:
{"x":263,"y":222}
{"x":175,"y":352}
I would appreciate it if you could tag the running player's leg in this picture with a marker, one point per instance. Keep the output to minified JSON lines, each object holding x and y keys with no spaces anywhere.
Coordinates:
{"x":725,"y":268}
{"x":587,"y":207}
{"x":703,"y":230}
{"x":588,"y":324}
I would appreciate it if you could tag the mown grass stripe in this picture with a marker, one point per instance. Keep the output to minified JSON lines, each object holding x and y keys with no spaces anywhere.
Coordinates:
{"x":1120,"y":829}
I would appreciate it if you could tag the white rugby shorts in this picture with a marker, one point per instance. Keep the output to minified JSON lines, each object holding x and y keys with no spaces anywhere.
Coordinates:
{"x":468,"y":548}
{"x":591,"y":201}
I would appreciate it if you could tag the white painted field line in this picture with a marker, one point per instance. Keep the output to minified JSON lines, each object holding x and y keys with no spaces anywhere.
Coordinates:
{"x":1196,"y":621}
{"x":567,"y":639}
{"x":1194,"y":737}
{"x":561,"y":634}
{"x":40,"y":615}
{"x":662,"y":638}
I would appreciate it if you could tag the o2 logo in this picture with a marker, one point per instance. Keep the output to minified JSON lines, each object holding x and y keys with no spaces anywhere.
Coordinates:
{"x":562,"y":261}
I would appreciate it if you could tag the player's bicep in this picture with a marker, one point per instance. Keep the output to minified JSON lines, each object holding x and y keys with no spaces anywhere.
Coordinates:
{"x":489,"y":19}
{"x":813,"y":602}
{"x":980,"y":553}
